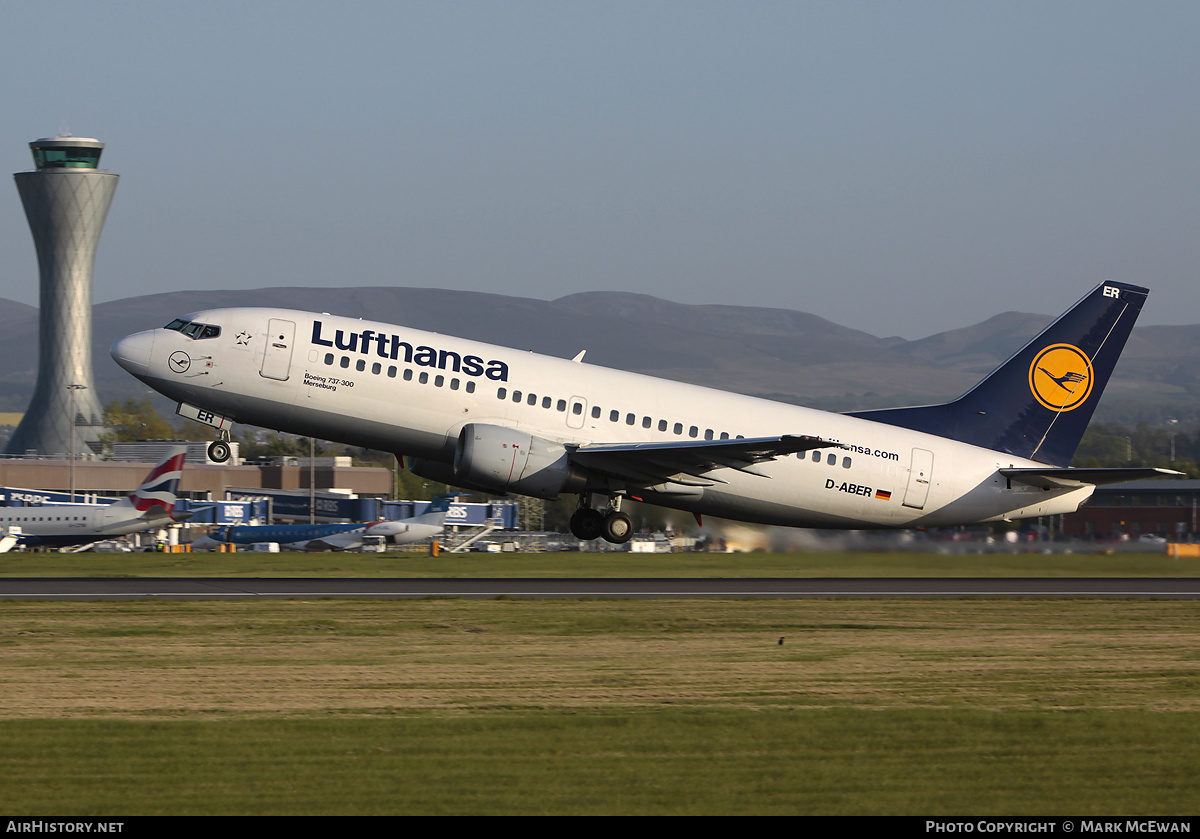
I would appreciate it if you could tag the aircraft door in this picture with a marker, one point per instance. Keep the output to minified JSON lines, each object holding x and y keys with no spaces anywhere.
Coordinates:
{"x":919,"y":478}
{"x":277,"y":356}
{"x":576,"y":412}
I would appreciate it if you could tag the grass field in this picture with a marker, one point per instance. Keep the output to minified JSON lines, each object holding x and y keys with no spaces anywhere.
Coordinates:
{"x":969,"y":707}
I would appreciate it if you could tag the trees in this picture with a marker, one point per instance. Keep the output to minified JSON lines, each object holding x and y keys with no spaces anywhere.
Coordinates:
{"x":132,"y":420}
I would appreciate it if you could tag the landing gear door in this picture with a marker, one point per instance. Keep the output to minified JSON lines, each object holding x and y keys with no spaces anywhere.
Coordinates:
{"x":919,"y":479}
{"x":277,"y":357}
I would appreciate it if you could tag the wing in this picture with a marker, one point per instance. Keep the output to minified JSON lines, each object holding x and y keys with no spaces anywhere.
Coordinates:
{"x":688,"y":463}
{"x":1055,"y":478}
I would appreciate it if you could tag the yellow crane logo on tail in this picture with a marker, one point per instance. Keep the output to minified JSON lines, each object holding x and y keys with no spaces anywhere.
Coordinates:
{"x":1060,"y":377}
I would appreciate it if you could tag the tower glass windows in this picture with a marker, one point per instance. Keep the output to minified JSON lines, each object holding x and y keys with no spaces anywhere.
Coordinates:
{"x":66,"y":157}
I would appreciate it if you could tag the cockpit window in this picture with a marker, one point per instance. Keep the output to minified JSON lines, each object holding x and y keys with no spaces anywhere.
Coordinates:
{"x":199,"y":331}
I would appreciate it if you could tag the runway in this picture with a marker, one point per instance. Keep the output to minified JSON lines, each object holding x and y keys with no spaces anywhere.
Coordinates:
{"x":230,"y":588}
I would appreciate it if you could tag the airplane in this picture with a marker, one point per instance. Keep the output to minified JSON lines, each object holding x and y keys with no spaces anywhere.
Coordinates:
{"x":497,"y":420}
{"x":150,"y":506}
{"x":334,"y":537}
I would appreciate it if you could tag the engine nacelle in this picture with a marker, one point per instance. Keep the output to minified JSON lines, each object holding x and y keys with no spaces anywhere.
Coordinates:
{"x":509,"y":460}
{"x":443,"y":473}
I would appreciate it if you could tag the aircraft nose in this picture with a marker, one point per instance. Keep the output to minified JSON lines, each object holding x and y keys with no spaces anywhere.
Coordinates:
{"x":133,"y":352}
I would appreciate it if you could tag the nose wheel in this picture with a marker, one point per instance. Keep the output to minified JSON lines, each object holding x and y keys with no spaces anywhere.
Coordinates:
{"x":220,"y":451}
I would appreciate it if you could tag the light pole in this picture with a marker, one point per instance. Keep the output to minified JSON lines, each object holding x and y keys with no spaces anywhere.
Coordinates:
{"x":72,"y":389}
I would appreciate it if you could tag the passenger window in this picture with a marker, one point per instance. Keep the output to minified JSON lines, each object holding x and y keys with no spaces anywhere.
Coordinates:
{"x":439,"y":381}
{"x":392,"y":372}
{"x":613,"y":416}
{"x":832,"y":459}
{"x":329,"y":359}
{"x":693,"y":431}
{"x":408,"y":378}
{"x":816,"y":456}
{"x":454,"y":384}
{"x":595,"y":412}
{"x":646,"y":422}
{"x":501,"y":393}
{"x":561,"y":405}
{"x":470,"y":387}
{"x":678,"y":429}
{"x":516,"y":396}
{"x":577,"y":408}
{"x":532,"y":400}
{"x":845,"y":463}
{"x":630,"y":419}
{"x":662,"y":425}
{"x":724,"y":435}
{"x":376,"y":368}
{"x":345,"y":362}
{"x":546,"y":402}
{"x":360,"y":365}
{"x":423,"y":378}
{"x":708,"y":434}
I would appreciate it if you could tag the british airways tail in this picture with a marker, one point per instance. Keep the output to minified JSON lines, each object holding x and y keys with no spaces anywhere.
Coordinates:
{"x":1037,"y":404}
{"x":156,"y":497}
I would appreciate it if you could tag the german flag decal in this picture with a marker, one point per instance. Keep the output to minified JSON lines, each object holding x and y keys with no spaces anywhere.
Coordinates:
{"x":883,"y":495}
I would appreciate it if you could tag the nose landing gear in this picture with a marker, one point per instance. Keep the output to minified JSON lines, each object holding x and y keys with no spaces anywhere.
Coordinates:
{"x":590,"y":523}
{"x":220,"y":451}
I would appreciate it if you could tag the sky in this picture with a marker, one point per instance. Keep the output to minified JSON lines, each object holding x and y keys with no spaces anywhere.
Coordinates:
{"x":897,"y":167}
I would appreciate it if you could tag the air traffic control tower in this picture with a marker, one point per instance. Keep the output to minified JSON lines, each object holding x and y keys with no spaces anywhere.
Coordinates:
{"x":66,"y":201}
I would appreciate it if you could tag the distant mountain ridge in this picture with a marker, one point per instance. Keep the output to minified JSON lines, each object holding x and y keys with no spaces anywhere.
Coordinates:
{"x":780,"y":353}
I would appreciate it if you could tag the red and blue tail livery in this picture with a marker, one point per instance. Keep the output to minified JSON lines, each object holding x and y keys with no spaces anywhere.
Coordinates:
{"x":160,"y":486}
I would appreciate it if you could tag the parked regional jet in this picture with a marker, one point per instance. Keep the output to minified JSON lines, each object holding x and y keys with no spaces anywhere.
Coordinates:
{"x":497,"y":420}
{"x":150,"y":506}
{"x":334,"y":537}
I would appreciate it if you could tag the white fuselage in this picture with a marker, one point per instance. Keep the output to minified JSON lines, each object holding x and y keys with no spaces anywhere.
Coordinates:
{"x":411,"y":392}
{"x":60,"y":525}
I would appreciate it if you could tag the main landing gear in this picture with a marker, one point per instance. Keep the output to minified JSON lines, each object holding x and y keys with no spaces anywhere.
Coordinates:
{"x":590,"y":523}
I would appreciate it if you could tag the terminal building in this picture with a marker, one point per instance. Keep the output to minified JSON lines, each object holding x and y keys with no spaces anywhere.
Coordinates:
{"x":1164,"y":508}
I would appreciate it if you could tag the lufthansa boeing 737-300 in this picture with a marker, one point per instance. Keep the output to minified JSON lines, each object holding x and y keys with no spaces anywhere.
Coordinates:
{"x":498,"y":420}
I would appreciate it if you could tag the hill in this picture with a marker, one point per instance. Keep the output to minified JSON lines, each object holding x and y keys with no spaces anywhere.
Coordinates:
{"x":778,"y":353}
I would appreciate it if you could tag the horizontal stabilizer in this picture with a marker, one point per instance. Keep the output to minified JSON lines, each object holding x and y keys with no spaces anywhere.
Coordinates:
{"x":1067,"y":478}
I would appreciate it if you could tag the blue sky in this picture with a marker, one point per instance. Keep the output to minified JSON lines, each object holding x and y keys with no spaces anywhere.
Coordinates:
{"x":901,"y":168}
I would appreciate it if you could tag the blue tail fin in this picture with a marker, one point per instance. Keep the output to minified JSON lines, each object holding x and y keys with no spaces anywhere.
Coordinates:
{"x":1038,"y":403}
{"x":435,"y":513}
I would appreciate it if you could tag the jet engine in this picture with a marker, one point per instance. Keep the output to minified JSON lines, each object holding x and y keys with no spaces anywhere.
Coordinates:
{"x":499,"y":460}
